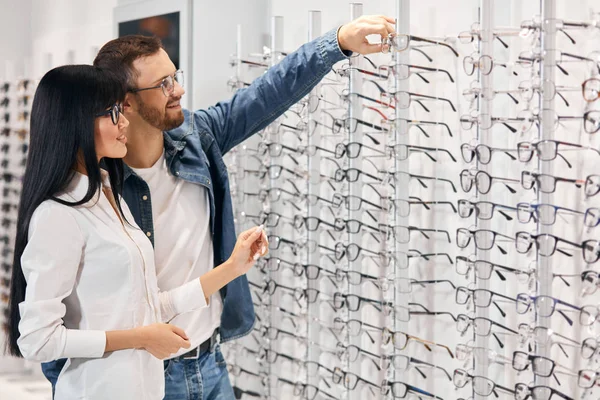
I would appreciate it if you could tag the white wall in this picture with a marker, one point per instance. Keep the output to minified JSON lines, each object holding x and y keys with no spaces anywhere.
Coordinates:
{"x":15,"y":35}
{"x":61,"y":26}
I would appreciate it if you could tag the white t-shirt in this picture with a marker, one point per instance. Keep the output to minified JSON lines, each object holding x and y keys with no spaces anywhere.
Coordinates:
{"x":183,"y":244}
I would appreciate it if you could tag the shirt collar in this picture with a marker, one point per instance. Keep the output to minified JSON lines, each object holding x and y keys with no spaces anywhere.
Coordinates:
{"x":79,"y":184}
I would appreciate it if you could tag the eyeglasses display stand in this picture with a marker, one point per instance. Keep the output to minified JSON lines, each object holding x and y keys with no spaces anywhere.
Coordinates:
{"x":432,"y":211}
{"x":16,"y":97}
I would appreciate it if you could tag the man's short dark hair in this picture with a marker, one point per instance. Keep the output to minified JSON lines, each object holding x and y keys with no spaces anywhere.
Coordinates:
{"x":119,"y":54}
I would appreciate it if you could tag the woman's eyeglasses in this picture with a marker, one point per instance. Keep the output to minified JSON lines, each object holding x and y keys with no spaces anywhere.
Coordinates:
{"x":167,"y":84}
{"x":115,"y":111}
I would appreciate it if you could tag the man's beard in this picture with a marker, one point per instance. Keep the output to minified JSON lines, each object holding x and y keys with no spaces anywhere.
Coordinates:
{"x":160,"y":120}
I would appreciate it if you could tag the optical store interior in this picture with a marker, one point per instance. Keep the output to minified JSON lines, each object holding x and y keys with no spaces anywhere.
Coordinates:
{"x":432,"y":209}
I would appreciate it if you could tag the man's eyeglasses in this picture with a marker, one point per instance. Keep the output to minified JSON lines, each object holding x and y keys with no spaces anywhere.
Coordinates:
{"x":167,"y":84}
{"x":115,"y":111}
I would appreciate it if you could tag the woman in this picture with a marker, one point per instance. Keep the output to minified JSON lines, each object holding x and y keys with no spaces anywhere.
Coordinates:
{"x":83,"y":282}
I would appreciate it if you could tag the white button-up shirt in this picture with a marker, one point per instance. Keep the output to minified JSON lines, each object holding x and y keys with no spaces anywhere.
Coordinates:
{"x":87,"y":273}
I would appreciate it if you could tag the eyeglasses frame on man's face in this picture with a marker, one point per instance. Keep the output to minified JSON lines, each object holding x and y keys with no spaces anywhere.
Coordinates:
{"x":176,"y":77}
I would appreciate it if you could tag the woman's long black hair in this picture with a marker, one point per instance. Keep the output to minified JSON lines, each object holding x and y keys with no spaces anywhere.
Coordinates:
{"x":63,"y":114}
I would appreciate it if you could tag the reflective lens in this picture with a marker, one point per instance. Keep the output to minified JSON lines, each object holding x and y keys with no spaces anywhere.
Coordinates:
{"x":460,"y":378}
{"x":523,"y":303}
{"x":483,"y":386}
{"x":591,"y":251}
{"x":588,"y":315}
{"x":483,"y":182}
{"x":588,"y":348}
{"x":525,"y":151}
{"x":466,"y":180}
{"x":591,"y":89}
{"x":591,"y":121}
{"x":592,"y":185}
{"x":587,"y":378}
{"x":463,"y":237}
{"x":591,"y":218}
{"x":520,"y":361}
{"x":467,"y":150}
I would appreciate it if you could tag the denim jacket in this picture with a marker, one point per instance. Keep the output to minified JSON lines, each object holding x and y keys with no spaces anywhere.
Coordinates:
{"x":194,"y":152}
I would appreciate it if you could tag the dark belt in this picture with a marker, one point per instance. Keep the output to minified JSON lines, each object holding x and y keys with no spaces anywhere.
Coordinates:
{"x":207,"y":345}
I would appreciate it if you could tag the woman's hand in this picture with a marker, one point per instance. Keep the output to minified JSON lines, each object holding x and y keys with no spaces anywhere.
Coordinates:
{"x":250,"y":245}
{"x":162,"y":340}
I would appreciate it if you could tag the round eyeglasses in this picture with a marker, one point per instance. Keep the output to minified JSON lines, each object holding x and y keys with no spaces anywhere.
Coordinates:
{"x":115,"y":111}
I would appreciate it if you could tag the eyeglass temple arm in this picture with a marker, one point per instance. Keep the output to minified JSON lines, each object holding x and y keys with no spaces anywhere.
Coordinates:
{"x":425,"y":363}
{"x":430,"y":70}
{"x":427,"y":97}
{"x":436,"y":123}
{"x":420,"y":39}
{"x":425,"y":256}
{"x":434,"y":179}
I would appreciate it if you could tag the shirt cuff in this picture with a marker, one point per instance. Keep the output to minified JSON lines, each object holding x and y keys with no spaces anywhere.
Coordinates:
{"x":188,"y":297}
{"x":84,"y":344}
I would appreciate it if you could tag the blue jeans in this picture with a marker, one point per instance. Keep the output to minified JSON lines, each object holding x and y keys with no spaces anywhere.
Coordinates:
{"x":205,"y":378}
